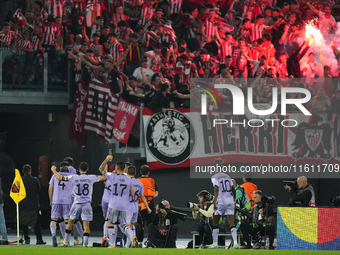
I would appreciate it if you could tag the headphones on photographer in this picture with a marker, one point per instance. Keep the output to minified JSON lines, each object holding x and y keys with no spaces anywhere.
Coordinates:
{"x":206,"y":195}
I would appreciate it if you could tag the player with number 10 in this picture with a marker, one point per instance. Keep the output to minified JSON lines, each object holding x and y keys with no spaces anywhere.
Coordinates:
{"x":224,"y":191}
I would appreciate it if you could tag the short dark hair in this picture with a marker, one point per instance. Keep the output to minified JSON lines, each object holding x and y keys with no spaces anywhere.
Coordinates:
{"x":144,"y":169}
{"x":83,"y":166}
{"x":69,"y":160}
{"x":27,"y":169}
{"x":120,"y":165}
{"x":38,"y":3}
{"x":248,"y":177}
{"x":245,"y":20}
{"x":112,"y":34}
{"x":64,"y":163}
{"x":133,"y":78}
{"x":259,"y":16}
{"x":134,"y":35}
{"x":164,"y":86}
{"x":184,"y":57}
{"x":122,"y":23}
{"x":99,"y":17}
{"x":131,"y":170}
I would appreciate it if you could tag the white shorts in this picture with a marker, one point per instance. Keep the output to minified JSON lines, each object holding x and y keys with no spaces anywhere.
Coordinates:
{"x":115,"y":215}
{"x":131,"y":217}
{"x":225,"y":208}
{"x":83,"y":210}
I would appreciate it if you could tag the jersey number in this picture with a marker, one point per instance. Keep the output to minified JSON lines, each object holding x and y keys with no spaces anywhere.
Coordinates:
{"x":121,"y":185}
{"x":85,"y":190}
{"x":62,"y":185}
{"x":226,"y":187}
{"x":135,"y":197}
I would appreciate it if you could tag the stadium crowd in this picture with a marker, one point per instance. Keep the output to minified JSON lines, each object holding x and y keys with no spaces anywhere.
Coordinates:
{"x":149,"y":51}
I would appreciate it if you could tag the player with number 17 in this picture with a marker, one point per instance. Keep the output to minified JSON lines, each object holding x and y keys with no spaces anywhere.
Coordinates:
{"x":82,"y":192}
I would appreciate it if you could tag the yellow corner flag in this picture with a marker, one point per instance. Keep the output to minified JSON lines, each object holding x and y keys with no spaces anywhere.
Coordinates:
{"x":18,"y":191}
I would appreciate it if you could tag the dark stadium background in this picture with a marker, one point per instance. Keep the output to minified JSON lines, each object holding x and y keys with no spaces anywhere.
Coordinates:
{"x":30,"y":135}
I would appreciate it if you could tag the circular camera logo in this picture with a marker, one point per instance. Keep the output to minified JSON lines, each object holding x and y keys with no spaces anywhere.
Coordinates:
{"x":168,"y":137}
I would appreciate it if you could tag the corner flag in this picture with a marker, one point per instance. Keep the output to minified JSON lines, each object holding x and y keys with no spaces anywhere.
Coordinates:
{"x":18,"y":191}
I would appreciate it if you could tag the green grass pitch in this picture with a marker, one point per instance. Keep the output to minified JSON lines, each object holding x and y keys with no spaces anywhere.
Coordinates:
{"x":46,"y":250}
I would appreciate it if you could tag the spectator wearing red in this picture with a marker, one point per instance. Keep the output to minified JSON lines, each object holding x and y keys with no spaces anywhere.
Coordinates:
{"x":40,"y":15}
{"x":50,"y":42}
{"x":119,"y":16}
{"x":250,"y":10}
{"x":6,"y":39}
{"x":114,"y":47}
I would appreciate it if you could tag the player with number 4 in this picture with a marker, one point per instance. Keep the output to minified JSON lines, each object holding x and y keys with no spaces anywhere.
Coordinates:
{"x":81,"y":207}
{"x":224,"y":191}
{"x":60,"y":194}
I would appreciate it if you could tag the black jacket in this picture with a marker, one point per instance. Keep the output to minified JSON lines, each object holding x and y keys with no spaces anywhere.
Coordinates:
{"x":160,"y":101}
{"x":32,"y":186}
{"x":161,"y":223}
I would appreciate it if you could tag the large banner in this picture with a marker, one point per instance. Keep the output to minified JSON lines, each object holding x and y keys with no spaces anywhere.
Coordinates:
{"x":100,"y":110}
{"x":125,"y":117}
{"x":179,"y":136}
{"x":76,"y":128}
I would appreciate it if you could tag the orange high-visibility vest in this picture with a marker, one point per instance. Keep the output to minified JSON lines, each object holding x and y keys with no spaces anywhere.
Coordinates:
{"x":149,"y":185}
{"x":250,"y":188}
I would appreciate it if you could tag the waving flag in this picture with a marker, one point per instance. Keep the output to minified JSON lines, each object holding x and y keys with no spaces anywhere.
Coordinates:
{"x":18,"y":191}
{"x":20,"y":20}
{"x":89,"y":15}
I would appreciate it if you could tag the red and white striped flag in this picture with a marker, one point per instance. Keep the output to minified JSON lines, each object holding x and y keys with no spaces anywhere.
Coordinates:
{"x":20,"y":20}
{"x":89,"y":14}
{"x":100,"y":110}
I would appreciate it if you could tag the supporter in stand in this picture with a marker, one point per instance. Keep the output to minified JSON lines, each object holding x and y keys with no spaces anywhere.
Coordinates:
{"x":180,"y":40}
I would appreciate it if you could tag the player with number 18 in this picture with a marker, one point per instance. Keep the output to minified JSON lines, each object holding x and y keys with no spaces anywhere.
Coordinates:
{"x":82,"y":192}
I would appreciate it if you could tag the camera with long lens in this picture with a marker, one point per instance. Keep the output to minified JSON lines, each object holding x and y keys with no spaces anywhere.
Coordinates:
{"x":292,"y":184}
{"x":268,"y":199}
{"x":190,"y":205}
{"x":178,"y":215}
{"x":335,"y":201}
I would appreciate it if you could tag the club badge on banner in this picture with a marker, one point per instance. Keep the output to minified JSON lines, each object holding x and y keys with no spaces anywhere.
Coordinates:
{"x":125,"y":117}
{"x":175,"y":138}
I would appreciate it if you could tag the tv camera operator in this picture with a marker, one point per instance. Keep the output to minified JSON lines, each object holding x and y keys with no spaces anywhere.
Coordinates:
{"x":262,"y":219}
{"x":163,"y":227}
{"x":204,"y":213}
{"x":302,"y":192}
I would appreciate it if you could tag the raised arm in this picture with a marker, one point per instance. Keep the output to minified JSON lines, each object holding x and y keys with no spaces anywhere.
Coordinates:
{"x":104,"y":163}
{"x":312,"y":8}
{"x":58,"y":176}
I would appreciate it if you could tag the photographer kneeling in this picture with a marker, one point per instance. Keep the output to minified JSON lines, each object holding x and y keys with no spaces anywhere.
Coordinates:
{"x":163,"y":227}
{"x":302,"y":192}
{"x":204,"y":213}
{"x":262,"y":219}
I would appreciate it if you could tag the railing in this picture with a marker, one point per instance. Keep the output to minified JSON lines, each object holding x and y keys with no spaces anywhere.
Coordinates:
{"x":41,"y":91}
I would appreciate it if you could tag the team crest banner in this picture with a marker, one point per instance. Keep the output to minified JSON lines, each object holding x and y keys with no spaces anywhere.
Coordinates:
{"x":183,"y":138}
{"x":125,"y":117}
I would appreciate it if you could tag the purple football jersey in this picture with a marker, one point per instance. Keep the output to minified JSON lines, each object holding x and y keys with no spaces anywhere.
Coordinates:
{"x":107,"y":192}
{"x":82,"y":187}
{"x":120,"y":188}
{"x":62,"y":190}
{"x":138,"y":189}
{"x":72,"y":170}
{"x":225,"y":184}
